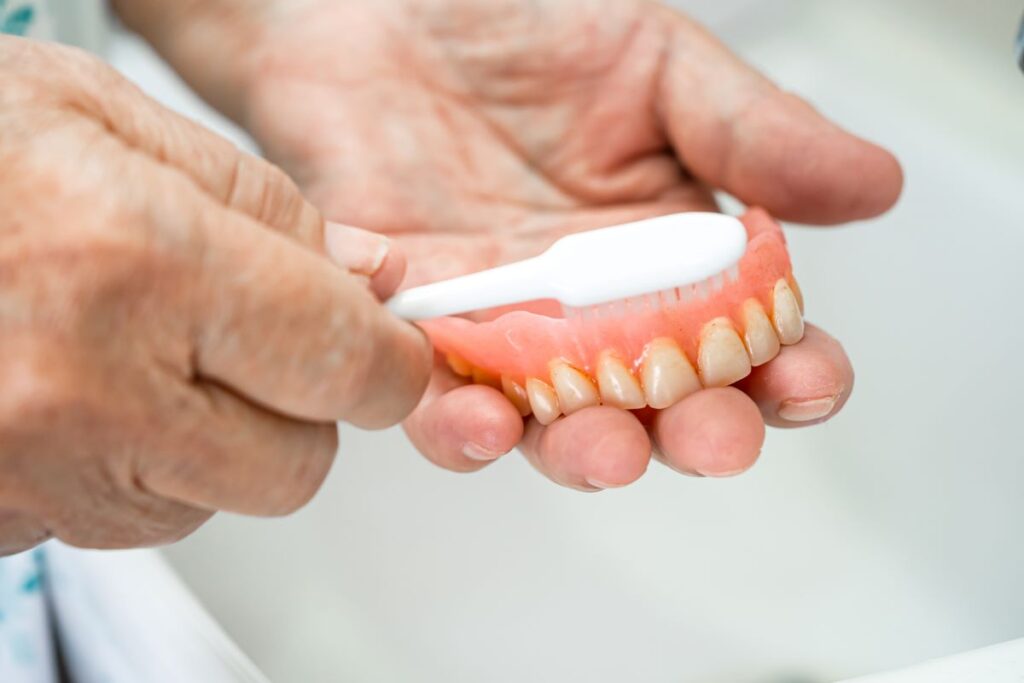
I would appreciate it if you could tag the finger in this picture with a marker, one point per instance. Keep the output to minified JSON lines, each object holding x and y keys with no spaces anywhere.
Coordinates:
{"x":807,"y":383}
{"x":20,"y":532}
{"x":737,"y":131}
{"x":144,"y":522}
{"x":102,"y":505}
{"x":239,"y":180}
{"x":234,"y":178}
{"x":81,"y":422}
{"x":366,"y":253}
{"x":712,"y":433}
{"x":228,"y":454}
{"x":284,"y":327}
{"x":596,"y":448}
{"x":463,"y":427}
{"x":242,"y":182}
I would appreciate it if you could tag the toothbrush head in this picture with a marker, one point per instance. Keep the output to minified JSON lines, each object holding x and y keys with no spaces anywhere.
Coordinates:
{"x":656,"y":262}
{"x":665,"y":299}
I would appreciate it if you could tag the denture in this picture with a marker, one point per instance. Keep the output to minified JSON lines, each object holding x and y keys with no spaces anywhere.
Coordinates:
{"x":648,"y":352}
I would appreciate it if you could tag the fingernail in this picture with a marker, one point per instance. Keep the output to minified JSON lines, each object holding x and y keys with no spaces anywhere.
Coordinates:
{"x":475,"y":452}
{"x":807,"y":410}
{"x":354,"y":249}
{"x":598,"y":484}
{"x":728,"y":473}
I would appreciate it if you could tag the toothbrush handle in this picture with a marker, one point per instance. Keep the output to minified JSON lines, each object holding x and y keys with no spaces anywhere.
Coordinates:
{"x":508,"y":284}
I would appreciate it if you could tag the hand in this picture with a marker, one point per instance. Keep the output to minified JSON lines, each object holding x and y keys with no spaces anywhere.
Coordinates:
{"x":478,"y":132}
{"x":172,"y":339}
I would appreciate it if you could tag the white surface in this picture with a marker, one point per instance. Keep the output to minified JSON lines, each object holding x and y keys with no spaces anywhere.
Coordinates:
{"x":27,"y":654}
{"x":647,"y":257}
{"x":80,"y":22}
{"x":1002,"y":663}
{"x":890,"y":536}
{"x":124,"y":617}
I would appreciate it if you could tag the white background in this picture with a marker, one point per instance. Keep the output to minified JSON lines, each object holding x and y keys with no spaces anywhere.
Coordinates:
{"x":891,"y":535}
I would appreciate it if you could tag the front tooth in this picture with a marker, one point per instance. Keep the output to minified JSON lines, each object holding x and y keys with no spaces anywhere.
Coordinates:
{"x":722,"y":357}
{"x":574,"y":389}
{"x":761,"y":340}
{"x":795,"y":286}
{"x":786,"y":314}
{"x":617,"y":385}
{"x":667,"y":375}
{"x":516,"y":394}
{"x":543,"y":401}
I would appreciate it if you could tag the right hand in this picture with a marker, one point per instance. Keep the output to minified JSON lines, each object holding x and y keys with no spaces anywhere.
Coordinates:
{"x":173,"y":339}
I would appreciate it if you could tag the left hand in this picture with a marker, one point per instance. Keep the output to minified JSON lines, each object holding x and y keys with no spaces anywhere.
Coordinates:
{"x":478,"y":131}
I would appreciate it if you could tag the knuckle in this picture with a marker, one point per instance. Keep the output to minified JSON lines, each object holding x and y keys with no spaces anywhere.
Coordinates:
{"x":151,"y":528}
{"x":125,"y":523}
{"x":262,"y":190}
{"x":306,"y":473}
{"x":156,"y":519}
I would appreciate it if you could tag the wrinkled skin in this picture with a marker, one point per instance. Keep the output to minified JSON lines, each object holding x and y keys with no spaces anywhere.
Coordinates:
{"x":477,"y":132}
{"x":153,"y":365}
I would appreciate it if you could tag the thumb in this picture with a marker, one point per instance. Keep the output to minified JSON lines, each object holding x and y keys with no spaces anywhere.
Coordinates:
{"x":367,"y":254}
{"x":735,"y":130}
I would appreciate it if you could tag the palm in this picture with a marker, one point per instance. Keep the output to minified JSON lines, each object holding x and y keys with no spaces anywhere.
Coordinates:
{"x":478,"y":131}
{"x":488,"y":131}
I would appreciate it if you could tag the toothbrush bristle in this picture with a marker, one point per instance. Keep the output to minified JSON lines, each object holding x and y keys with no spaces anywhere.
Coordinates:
{"x":664,"y":300}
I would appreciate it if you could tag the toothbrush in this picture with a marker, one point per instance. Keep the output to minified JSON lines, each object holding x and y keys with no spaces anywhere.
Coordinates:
{"x":655,"y":262}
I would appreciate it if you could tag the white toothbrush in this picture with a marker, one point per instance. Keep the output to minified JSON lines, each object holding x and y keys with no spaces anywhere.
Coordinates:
{"x":656,"y":261}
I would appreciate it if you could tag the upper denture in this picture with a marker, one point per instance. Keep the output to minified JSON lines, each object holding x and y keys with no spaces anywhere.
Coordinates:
{"x":589,"y":360}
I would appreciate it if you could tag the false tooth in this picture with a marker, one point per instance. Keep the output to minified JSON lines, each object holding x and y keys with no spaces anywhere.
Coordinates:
{"x":459,"y":365}
{"x":516,"y":394}
{"x":667,"y":375}
{"x":722,"y":357}
{"x":574,"y":389}
{"x":786,"y":314}
{"x":543,"y":401}
{"x":795,"y":286}
{"x":617,"y":385}
{"x":758,"y":334}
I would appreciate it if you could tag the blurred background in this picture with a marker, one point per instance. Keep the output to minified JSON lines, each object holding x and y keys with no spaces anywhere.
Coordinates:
{"x":891,"y":535}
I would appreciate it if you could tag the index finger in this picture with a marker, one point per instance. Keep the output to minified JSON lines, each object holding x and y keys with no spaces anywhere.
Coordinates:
{"x":233,"y":177}
{"x":284,"y":327}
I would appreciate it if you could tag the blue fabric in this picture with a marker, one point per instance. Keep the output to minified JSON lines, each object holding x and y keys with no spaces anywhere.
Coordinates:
{"x":17,"y":16}
{"x":26,"y":647}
